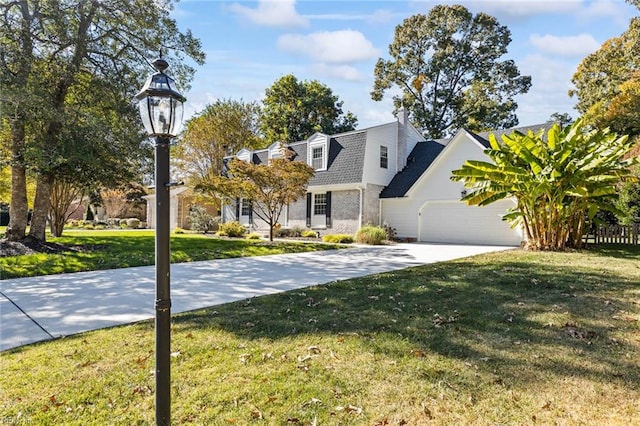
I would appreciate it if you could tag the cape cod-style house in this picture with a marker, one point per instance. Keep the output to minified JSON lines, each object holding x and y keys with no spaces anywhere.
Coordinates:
{"x":387,"y":174}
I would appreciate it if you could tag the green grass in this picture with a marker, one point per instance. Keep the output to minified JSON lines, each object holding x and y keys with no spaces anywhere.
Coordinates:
{"x":507,"y":338}
{"x":122,"y":249}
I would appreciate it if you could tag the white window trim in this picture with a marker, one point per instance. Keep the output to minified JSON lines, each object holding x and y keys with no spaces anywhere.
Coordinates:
{"x":318,"y":143}
{"x":386,"y":157}
{"x":275,"y":151}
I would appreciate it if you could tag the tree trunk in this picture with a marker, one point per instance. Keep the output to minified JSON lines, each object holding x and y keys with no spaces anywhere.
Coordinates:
{"x":18,"y":209}
{"x":63,"y":194}
{"x":41,"y":205}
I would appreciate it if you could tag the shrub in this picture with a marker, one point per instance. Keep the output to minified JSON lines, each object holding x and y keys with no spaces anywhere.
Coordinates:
{"x":282,"y":232}
{"x":390,"y":231}
{"x":372,"y":235}
{"x":88,"y":215}
{"x":178,"y":231}
{"x":201,"y":220}
{"x":73,"y":223}
{"x":133,"y":223}
{"x":122,"y":222}
{"x":100,"y":227}
{"x":232,"y":229}
{"x":113,"y":222}
{"x":253,"y":236}
{"x":221,"y":234}
{"x":309,"y":234}
{"x":338,"y":238}
{"x":88,"y":226}
{"x":123,"y":225}
{"x":297,"y":231}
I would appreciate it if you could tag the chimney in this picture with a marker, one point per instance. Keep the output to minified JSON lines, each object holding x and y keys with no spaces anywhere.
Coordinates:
{"x":403,"y":123}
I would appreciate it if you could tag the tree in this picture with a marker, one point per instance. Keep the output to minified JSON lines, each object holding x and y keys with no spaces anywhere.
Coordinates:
{"x":124,"y":201}
{"x":294,"y":110}
{"x":447,"y":66}
{"x":559,"y":181}
{"x":563,"y":119}
{"x":607,"y":83}
{"x":221,"y":129}
{"x":49,"y":49}
{"x":269,"y":187}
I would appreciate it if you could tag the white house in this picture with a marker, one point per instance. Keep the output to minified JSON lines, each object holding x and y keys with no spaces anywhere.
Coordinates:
{"x":388,"y":174}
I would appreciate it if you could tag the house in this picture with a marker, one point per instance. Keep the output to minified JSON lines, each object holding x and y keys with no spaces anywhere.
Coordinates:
{"x":352,"y":169}
{"x":387,"y":174}
{"x":181,"y":199}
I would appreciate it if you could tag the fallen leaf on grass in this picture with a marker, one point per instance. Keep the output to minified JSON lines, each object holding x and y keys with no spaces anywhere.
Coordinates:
{"x":314,"y":349}
{"x":245,"y":357}
{"x":256,"y":414}
{"x":350,"y":409}
{"x":312,"y":401}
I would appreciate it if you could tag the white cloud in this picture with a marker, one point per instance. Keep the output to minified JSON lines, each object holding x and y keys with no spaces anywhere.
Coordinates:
{"x":509,"y":11}
{"x":343,"y":72}
{"x":568,"y":46}
{"x":619,"y":11}
{"x":549,"y":89}
{"x":272,"y":13}
{"x":333,"y":47}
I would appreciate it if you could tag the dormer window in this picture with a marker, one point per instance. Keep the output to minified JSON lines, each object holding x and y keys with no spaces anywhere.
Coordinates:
{"x":275,"y":151}
{"x":317,"y":153}
{"x":317,"y":157}
{"x":244,"y":155}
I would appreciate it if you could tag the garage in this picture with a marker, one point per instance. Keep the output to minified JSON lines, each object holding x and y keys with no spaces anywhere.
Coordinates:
{"x":455,"y":222}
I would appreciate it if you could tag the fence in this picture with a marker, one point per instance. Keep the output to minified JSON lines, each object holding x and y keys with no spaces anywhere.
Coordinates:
{"x":616,"y":234}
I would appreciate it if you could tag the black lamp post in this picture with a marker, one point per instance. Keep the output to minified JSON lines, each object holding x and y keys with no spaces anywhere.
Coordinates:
{"x":161,"y":108}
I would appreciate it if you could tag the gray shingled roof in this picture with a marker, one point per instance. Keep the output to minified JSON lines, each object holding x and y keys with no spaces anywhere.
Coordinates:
{"x":420,"y":158}
{"x":344,"y":164}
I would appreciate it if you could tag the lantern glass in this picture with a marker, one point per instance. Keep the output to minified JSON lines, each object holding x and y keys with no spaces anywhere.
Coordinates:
{"x":160,"y":105}
{"x":161,"y":116}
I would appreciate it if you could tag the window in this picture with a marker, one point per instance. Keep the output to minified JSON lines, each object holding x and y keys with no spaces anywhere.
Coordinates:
{"x":320,"y":204}
{"x":246,"y":208}
{"x":317,"y":157}
{"x":384,"y":157}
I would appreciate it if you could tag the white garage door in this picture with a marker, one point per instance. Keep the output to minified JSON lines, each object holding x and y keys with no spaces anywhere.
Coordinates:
{"x":455,"y":222}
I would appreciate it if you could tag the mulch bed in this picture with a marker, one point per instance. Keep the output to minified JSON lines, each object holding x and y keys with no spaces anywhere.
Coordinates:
{"x":32,"y":245}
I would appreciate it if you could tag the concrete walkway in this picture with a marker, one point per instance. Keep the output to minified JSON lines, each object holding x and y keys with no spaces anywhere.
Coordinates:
{"x":41,"y":308}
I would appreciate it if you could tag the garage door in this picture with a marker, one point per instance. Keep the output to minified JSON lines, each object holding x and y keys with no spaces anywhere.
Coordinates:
{"x":455,"y":222}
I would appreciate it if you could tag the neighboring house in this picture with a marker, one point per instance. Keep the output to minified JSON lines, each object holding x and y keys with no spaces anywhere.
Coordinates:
{"x":388,"y":174}
{"x":180,"y":199}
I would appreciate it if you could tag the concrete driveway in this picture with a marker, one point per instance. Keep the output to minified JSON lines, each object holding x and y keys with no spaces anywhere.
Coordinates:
{"x":48,"y":307}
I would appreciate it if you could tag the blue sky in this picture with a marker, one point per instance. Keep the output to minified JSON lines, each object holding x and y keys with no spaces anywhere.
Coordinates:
{"x":251,"y":44}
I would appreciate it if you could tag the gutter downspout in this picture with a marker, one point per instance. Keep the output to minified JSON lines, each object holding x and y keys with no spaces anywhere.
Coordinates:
{"x":361,"y":207}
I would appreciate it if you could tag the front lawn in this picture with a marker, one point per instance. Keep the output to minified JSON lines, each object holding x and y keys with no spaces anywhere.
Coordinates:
{"x":505,"y":338}
{"x":99,"y":250}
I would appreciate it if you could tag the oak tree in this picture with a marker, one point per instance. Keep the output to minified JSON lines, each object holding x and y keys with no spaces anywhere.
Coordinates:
{"x":607,"y":83}
{"x":448,"y":67}
{"x":50,"y":49}
{"x":293,"y":110}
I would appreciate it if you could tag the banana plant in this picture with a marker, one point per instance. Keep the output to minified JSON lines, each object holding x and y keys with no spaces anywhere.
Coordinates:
{"x":559,"y":180}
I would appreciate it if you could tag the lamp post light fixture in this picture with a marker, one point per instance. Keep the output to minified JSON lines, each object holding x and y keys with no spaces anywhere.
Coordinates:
{"x":161,"y":109}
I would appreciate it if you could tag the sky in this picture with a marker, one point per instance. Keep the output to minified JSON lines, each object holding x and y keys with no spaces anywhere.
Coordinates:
{"x":251,"y":44}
